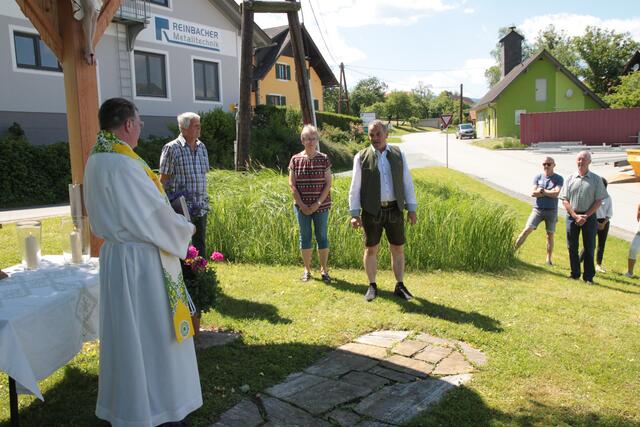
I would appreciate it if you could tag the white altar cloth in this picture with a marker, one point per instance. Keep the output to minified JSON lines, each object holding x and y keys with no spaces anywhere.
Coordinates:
{"x":45,"y":316}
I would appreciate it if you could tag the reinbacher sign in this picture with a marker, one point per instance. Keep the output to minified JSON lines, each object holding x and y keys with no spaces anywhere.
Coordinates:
{"x":189,"y":34}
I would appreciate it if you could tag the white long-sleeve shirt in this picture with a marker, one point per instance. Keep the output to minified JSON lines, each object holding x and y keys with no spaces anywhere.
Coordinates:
{"x":387,"y":193}
{"x":606,"y":209}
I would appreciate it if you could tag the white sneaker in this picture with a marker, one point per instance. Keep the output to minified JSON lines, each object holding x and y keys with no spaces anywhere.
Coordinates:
{"x":600,"y":269}
{"x":627,"y":274}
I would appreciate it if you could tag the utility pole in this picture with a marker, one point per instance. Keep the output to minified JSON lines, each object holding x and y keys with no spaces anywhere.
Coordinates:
{"x":243,"y":135}
{"x":343,"y":90}
{"x":297,"y":46}
{"x":461,"y":103}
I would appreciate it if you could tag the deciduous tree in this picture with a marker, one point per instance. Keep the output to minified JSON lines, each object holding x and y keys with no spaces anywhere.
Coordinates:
{"x":367,"y":92}
{"x":627,"y":93}
{"x":605,"y":52}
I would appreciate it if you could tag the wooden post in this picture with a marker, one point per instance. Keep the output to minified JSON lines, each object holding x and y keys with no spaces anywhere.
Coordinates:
{"x":297,"y":46}
{"x":81,"y":94}
{"x":243,"y":135}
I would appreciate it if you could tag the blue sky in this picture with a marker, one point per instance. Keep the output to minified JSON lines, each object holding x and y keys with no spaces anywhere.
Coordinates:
{"x":443,"y":43}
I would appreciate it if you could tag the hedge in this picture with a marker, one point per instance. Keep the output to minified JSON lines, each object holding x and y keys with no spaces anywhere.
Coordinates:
{"x":33,"y":174}
{"x":39,"y":174}
{"x":341,"y":121}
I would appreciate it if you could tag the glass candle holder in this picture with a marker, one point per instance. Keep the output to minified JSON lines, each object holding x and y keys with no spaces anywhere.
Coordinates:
{"x":74,"y":233}
{"x":29,"y":241}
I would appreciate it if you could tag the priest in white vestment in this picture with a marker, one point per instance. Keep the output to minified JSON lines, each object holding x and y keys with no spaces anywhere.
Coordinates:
{"x":147,"y":377}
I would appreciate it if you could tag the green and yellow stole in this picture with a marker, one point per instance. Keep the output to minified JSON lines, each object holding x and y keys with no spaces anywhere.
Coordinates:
{"x":179,"y":300}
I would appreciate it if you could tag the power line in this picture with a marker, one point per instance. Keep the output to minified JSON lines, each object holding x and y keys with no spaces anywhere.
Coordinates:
{"x":415,"y":69}
{"x":400,"y":84}
{"x":313,"y":12}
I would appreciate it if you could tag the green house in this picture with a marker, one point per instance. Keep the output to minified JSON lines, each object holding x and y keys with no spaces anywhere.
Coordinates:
{"x":539,"y":84}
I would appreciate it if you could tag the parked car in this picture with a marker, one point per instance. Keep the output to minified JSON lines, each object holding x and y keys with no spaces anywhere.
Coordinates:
{"x":465,"y":130}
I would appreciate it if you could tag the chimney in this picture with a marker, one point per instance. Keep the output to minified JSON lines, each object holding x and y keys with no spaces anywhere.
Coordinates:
{"x":511,"y":51}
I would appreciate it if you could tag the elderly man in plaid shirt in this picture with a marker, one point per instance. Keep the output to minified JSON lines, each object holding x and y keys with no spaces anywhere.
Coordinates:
{"x":184,"y":164}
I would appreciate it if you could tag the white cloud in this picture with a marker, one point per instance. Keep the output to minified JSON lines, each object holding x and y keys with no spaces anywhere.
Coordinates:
{"x":470,"y":73}
{"x":332,"y":15}
{"x":575,"y":24}
{"x":360,"y":13}
{"x":469,"y":10}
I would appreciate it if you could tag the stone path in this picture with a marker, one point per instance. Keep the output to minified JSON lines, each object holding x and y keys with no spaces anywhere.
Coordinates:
{"x":383,"y":378}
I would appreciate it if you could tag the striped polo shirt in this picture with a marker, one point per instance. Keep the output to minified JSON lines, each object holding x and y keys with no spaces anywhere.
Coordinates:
{"x":309,"y":174}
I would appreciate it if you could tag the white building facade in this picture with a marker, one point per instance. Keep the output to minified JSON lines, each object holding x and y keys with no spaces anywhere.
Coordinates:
{"x":186,"y":57}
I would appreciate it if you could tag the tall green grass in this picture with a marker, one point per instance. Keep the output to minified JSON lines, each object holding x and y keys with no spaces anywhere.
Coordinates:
{"x":252,"y":221}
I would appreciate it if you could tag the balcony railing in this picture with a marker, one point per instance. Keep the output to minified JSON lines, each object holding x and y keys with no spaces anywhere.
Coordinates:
{"x":132,"y":11}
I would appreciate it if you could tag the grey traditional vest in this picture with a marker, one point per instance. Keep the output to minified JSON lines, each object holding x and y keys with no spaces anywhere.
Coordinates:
{"x":370,"y":188}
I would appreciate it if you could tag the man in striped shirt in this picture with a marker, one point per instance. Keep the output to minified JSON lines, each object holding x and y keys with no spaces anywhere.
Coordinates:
{"x":184,"y":164}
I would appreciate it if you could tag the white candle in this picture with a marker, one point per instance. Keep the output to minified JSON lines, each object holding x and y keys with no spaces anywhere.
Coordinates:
{"x":31,"y":249}
{"x":76,"y":247}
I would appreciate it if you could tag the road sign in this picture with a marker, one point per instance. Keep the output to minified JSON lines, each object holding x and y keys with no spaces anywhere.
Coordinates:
{"x":446,"y":119}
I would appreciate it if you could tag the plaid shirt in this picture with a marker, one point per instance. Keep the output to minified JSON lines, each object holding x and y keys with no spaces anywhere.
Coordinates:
{"x":187,"y":170}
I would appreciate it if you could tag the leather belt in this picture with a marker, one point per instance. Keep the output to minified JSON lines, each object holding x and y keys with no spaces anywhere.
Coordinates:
{"x":388,"y":204}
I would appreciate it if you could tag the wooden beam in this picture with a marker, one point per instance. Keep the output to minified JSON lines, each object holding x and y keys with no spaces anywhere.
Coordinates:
{"x":243,"y":136}
{"x":297,"y":45}
{"x":109,"y":8}
{"x":271,"y":6}
{"x":81,"y":94}
{"x":45,"y":22}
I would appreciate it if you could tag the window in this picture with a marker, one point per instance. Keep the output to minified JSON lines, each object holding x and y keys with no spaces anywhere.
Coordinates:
{"x":151,"y":75}
{"x":206,"y":80}
{"x":31,"y":52}
{"x":541,"y":89}
{"x":276,"y":100}
{"x":164,"y":3}
{"x":316,"y":105}
{"x":283,"y":72}
{"x":518,"y":112}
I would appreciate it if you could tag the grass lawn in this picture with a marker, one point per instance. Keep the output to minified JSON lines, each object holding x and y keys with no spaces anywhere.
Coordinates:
{"x":559,"y":352}
{"x":405,"y":128}
{"x":500,"y":143}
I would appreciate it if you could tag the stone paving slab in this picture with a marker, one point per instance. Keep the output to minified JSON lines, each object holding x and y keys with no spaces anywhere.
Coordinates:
{"x":282,"y":414}
{"x":244,"y":414}
{"x":399,"y":403}
{"x":206,"y":339}
{"x":294,"y":383}
{"x":407,"y":365}
{"x":327,"y":395}
{"x":454,"y":364}
{"x":409,"y":347}
{"x":433,"y":353}
{"x":371,"y":351}
{"x":362,"y":384}
{"x":343,"y":417}
{"x":365,"y":379}
{"x":372,"y":424}
{"x":473,"y":355}
{"x":436,"y":340}
{"x":392,"y":374}
{"x":339,"y":363}
{"x":385,"y":339}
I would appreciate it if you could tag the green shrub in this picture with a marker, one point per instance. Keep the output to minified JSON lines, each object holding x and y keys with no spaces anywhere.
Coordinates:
{"x":252,"y":221}
{"x":151,"y":148}
{"x":340,"y":154}
{"x":273,"y":139}
{"x":341,"y":121}
{"x":334,"y":134}
{"x":35,"y":174}
{"x":218,"y":133}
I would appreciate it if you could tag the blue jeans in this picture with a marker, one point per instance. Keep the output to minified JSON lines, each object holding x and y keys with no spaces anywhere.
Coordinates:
{"x":320,"y":221}
{"x":589,"y":230}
